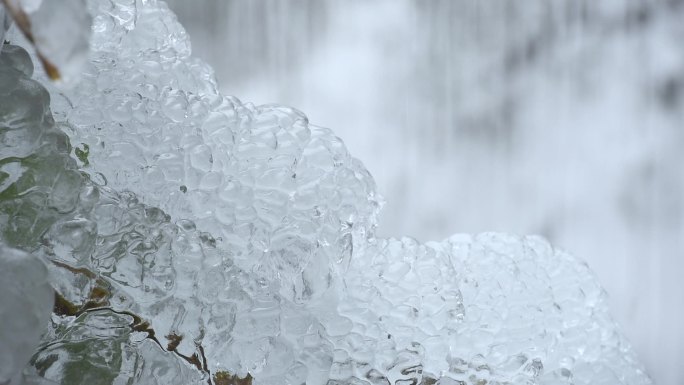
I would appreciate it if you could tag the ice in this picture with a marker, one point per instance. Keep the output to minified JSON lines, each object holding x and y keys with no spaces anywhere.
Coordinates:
{"x":260,"y":179}
{"x":4,"y":24}
{"x":25,"y":307}
{"x":191,"y":238}
{"x":488,"y":308}
{"x":50,"y":208}
{"x":100,"y":348}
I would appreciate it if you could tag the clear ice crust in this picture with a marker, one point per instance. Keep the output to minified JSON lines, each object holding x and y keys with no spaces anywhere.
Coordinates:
{"x":194,"y":239}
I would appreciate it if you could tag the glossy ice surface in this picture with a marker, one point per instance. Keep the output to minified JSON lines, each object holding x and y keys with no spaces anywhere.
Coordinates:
{"x":192,"y":239}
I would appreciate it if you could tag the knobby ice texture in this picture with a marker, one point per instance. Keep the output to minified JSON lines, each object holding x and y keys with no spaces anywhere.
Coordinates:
{"x":191,"y":238}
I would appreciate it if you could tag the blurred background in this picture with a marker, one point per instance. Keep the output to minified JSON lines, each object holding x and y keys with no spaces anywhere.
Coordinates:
{"x":562,"y":118}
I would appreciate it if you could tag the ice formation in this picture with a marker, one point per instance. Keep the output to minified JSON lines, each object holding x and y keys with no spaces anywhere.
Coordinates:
{"x":191,"y":238}
{"x":25,"y":307}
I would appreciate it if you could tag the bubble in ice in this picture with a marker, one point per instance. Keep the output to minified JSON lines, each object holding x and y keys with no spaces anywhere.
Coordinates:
{"x":192,"y":238}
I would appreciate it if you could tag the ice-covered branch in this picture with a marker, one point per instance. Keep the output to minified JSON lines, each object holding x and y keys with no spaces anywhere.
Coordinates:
{"x":59,"y":30}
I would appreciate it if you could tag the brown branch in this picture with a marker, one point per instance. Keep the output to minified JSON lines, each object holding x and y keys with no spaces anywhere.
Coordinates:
{"x":98,"y":300}
{"x":225,"y":378}
{"x":24,"y":24}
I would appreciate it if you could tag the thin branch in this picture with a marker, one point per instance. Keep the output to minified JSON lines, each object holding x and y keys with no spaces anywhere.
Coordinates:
{"x":98,"y":300}
{"x":24,"y":24}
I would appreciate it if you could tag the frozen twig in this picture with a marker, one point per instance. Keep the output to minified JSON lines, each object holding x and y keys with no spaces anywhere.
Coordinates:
{"x":24,"y":24}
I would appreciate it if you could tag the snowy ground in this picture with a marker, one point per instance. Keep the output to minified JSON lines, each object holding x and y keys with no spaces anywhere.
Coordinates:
{"x":563,"y":121}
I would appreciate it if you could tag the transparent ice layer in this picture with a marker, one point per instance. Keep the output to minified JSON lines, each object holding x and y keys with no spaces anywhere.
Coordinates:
{"x":191,"y":238}
{"x":284,"y":198}
{"x":25,"y":307}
